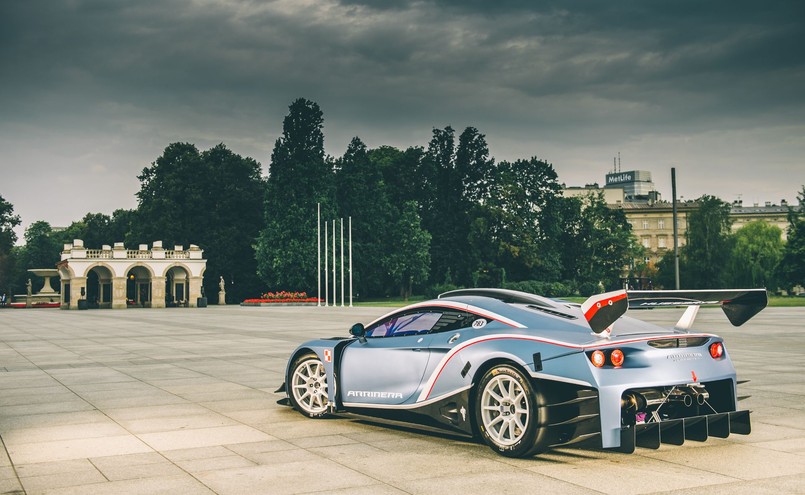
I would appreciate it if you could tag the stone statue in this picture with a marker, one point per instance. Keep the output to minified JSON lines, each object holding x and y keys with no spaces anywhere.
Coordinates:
{"x":28,"y":286}
{"x":222,"y":291}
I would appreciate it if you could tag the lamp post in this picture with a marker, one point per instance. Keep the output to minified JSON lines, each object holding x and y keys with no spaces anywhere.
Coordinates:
{"x":676,"y":229}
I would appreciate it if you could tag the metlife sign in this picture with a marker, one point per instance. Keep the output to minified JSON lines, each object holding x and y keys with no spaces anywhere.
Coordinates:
{"x":620,"y":178}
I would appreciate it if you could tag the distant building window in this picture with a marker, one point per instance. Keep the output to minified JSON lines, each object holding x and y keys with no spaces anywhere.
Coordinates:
{"x":660,"y":224}
{"x":646,"y":242}
{"x":645,"y":224}
{"x":661,"y":242}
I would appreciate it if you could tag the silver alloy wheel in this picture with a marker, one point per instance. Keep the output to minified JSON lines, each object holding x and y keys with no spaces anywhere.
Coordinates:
{"x":504,"y":410}
{"x":309,"y":386}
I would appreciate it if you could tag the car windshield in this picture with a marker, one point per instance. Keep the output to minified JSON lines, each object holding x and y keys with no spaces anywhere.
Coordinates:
{"x":405,"y":325}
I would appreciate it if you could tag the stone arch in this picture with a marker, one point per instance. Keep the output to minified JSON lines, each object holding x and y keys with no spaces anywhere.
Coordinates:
{"x":66,"y":275}
{"x":140,"y":291}
{"x":177,"y":285}
{"x":100,"y":279}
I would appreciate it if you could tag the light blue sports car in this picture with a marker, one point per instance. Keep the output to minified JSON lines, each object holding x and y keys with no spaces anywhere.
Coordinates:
{"x":526,"y":373}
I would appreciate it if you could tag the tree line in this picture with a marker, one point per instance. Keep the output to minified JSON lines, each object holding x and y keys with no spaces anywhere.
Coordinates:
{"x":430,"y":218}
{"x":425,"y":219}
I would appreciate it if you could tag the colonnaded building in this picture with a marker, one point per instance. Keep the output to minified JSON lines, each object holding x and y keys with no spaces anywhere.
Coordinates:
{"x":118,"y":278}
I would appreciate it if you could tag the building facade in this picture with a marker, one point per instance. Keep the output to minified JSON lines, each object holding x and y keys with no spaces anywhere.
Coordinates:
{"x":119,"y":278}
{"x":652,"y":220}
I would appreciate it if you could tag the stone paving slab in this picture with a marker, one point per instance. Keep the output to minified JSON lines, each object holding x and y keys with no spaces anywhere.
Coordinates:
{"x":179,"y":400}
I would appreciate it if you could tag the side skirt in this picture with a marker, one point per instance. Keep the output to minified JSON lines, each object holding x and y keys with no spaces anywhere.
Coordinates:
{"x":450,"y":413}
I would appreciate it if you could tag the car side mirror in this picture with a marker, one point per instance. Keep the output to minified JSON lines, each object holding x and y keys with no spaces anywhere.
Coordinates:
{"x":358,"y":331}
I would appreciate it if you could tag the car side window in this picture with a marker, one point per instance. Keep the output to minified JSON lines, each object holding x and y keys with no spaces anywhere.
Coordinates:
{"x":455,"y":320}
{"x":407,"y":324}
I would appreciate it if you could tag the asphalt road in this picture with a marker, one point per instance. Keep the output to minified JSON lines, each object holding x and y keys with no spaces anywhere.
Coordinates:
{"x":182,"y":401}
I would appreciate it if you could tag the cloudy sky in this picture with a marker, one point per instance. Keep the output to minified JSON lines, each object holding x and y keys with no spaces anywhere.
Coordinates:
{"x":91,"y":91}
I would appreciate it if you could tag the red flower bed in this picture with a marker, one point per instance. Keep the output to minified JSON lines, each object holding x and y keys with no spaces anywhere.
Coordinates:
{"x":306,"y":300}
{"x":283,"y":297}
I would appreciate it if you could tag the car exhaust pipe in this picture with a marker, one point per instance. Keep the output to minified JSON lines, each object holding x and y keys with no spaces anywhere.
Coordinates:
{"x":680,"y":396}
{"x":643,"y":399}
{"x":700,"y":394}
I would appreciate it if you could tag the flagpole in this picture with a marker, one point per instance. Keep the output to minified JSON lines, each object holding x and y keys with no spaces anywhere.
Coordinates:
{"x":335,"y":280}
{"x":350,"y":262}
{"x":342,"y":262}
{"x":326,"y":266}
{"x":318,"y":253}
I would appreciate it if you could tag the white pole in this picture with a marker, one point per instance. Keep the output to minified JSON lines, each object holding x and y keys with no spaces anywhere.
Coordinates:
{"x":342,"y":262}
{"x":318,"y":253}
{"x":350,"y":262}
{"x":326,"y":278}
{"x":335,"y":280}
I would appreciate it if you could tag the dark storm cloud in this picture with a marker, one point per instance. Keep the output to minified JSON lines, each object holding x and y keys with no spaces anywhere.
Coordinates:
{"x":744,"y":56}
{"x":648,"y":57}
{"x":106,"y":84}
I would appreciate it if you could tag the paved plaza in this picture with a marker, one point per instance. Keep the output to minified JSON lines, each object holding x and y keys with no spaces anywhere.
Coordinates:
{"x":182,"y":401}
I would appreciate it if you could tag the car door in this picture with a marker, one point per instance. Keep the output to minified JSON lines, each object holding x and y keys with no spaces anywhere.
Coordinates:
{"x":452,"y":331}
{"x":387,"y":367}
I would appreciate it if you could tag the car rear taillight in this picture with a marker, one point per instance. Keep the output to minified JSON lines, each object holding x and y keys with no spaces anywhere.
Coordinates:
{"x":616,"y":358}
{"x":601,"y":358}
{"x":598,"y":359}
{"x":716,"y":350}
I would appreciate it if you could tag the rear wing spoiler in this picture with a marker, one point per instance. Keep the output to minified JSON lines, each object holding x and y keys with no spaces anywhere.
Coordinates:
{"x":740,"y":305}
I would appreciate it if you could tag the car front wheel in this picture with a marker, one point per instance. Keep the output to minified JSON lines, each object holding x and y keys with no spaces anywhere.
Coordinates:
{"x":506,"y":412}
{"x":309,"y":386}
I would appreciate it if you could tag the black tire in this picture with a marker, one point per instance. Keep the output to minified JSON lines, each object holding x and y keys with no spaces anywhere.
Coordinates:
{"x":507,"y":412}
{"x":307,"y":388}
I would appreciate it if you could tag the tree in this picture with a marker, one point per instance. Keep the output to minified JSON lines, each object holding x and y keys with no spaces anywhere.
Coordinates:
{"x":442,"y":209}
{"x":792,"y":266}
{"x":42,"y":247}
{"x":473,"y":166}
{"x":41,"y":250}
{"x":402,"y":172}
{"x":208,"y":199}
{"x":299,"y":178}
{"x":708,"y":246}
{"x":756,"y":254}
{"x":8,"y":221}
{"x":408,"y":264}
{"x":521,"y":195}
{"x":457,"y":179}
{"x":97,"y":229}
{"x":666,"y":271}
{"x":233,"y":220}
{"x":171,"y":197}
{"x":596,"y":242}
{"x":362,"y":195}
{"x":94,"y":229}
{"x":121,"y":227}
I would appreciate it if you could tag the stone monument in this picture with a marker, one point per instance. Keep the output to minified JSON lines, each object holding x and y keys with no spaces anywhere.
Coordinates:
{"x":221,"y":291}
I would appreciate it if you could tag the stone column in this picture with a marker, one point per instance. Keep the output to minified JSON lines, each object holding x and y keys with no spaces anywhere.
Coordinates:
{"x":194,"y":290}
{"x":158,"y":292}
{"x":119,"y":293}
{"x":65,"y":284}
{"x":76,"y":285}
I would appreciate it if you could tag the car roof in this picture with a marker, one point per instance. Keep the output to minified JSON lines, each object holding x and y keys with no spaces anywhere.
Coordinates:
{"x":517,"y":309}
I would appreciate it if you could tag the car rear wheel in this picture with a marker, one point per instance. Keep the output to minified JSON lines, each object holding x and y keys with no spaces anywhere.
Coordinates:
{"x":506,"y":412}
{"x":309,"y":386}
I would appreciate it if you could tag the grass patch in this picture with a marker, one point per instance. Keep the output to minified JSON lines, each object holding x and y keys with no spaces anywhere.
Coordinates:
{"x":389,"y":302}
{"x":786,"y":301}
